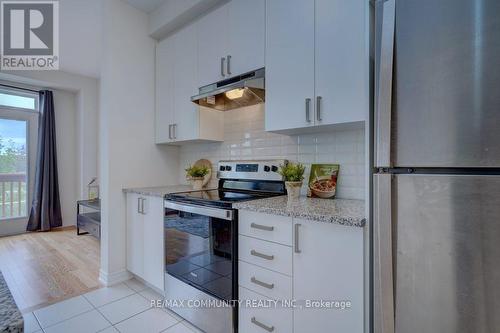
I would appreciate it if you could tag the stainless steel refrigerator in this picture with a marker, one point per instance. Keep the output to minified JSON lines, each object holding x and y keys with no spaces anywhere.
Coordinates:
{"x":436,"y":186}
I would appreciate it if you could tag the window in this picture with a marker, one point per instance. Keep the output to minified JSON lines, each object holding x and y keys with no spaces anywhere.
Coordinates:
{"x":18,"y":140}
{"x":13,"y":168}
{"x":19,"y":100}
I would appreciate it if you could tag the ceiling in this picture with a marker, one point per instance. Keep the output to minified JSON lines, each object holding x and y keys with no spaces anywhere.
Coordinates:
{"x":146,"y":5}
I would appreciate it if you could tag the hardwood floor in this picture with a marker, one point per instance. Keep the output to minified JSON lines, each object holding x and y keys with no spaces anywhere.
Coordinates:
{"x":46,"y":267}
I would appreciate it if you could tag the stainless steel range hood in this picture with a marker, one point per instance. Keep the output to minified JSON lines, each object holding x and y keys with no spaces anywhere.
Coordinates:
{"x":236,"y":92}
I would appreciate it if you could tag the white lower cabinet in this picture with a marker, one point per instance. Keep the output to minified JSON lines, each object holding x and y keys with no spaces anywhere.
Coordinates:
{"x":145,"y":238}
{"x":255,"y":319}
{"x":135,"y":235}
{"x":328,"y":265}
{"x":273,"y":228}
{"x":325,"y":264}
{"x":272,"y":256}
{"x":272,"y":284}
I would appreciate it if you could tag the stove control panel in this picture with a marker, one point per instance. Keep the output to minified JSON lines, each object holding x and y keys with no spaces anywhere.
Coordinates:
{"x":256,"y":170}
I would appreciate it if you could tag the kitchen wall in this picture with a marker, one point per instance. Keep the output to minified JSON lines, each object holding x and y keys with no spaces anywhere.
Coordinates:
{"x":245,"y":138}
{"x":129,"y":156}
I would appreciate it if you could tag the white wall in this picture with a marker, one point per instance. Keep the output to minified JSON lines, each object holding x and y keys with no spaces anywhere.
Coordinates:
{"x":80,"y":36}
{"x":128,"y":155}
{"x":66,"y":118}
{"x":245,"y":138}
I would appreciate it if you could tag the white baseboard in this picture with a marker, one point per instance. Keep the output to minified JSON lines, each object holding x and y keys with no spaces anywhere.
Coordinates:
{"x":109,"y":279}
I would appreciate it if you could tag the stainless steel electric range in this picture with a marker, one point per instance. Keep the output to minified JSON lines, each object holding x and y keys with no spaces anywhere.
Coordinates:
{"x":201,"y":250}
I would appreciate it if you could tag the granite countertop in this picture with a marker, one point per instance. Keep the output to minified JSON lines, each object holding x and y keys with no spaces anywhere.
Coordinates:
{"x":11,"y":319}
{"x":158,"y":191}
{"x":339,"y":211}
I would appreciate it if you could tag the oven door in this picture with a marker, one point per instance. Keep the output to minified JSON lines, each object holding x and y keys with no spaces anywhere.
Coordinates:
{"x":200,"y":247}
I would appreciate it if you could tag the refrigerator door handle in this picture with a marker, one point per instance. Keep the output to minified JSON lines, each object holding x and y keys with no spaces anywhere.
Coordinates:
{"x":383,"y":292}
{"x":385,"y":12}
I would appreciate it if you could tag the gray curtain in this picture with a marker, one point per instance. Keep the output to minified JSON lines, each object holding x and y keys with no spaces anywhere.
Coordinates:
{"x":46,"y":207}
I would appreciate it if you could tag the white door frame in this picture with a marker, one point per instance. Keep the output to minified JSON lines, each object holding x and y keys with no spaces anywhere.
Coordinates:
{"x":18,"y":225}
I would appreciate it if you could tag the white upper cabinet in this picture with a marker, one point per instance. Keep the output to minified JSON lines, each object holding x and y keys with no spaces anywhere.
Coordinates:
{"x":289,"y":64}
{"x":231,"y":40}
{"x":341,"y":61}
{"x":246,"y":28}
{"x":316,"y":64}
{"x":186,"y":115}
{"x":178,"y":120}
{"x":164,"y":92}
{"x":212,"y":46}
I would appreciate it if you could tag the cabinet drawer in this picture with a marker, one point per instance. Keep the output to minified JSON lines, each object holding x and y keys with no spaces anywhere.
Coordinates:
{"x":265,"y":254}
{"x":268,"y":227}
{"x":276,"y":320}
{"x":263,"y":281}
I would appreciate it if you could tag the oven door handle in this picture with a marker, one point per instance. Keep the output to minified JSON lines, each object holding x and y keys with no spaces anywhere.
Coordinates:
{"x":224,"y":214}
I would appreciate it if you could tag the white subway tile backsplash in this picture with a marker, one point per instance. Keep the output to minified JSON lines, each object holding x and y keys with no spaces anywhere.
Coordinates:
{"x":245,"y":138}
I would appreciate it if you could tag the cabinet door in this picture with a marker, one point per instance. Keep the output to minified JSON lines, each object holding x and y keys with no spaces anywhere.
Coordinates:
{"x":164,"y":91}
{"x":153,"y":242}
{"x":186,"y":115}
{"x":341,"y":61}
{"x":328,"y":267}
{"x":212,"y":46}
{"x":135,"y":235}
{"x":289,"y":64}
{"x":246,"y":35}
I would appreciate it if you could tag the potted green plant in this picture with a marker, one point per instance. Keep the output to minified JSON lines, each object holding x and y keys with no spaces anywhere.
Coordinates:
{"x":196,"y":175}
{"x":293,"y":174}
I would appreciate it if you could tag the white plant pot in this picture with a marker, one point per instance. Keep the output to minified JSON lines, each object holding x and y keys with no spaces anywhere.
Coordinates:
{"x":293,"y":189}
{"x":197,"y":183}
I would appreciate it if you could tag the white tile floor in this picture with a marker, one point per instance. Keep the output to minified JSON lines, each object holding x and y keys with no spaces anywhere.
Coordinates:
{"x":123,"y":308}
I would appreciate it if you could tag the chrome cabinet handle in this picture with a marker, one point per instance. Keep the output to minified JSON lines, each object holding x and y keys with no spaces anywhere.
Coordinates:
{"x":174,"y":131}
{"x":170,"y":131}
{"x":262,"y":284}
{"x":261,"y":255}
{"x":296,"y":245}
{"x":318,"y":108}
{"x":140,"y":205}
{"x":385,"y":14}
{"x":261,"y":227}
{"x":308,"y":110}
{"x":228,"y":65}
{"x":222,"y":60}
{"x":263,"y":326}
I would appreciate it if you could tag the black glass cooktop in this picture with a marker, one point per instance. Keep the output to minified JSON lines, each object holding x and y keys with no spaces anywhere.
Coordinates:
{"x":216,"y":197}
